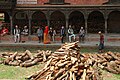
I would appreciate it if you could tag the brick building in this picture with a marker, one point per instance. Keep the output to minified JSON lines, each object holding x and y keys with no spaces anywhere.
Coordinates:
{"x":93,"y":15}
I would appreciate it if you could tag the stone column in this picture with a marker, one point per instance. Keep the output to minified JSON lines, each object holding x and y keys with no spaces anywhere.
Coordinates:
{"x":106,"y":26}
{"x":86,"y":26}
{"x":66,"y":26}
{"x":11,"y":24}
{"x":30,"y":25}
{"x":29,"y":14}
{"x":48,"y":18}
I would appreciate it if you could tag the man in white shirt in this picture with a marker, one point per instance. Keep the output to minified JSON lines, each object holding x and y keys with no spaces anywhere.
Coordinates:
{"x":71,"y":34}
{"x":16,"y":34}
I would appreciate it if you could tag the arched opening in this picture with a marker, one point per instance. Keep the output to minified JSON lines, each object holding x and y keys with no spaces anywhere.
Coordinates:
{"x":76,"y":20}
{"x":114,"y":22}
{"x":96,"y":22}
{"x":38,"y":20}
{"x":4,"y":20}
{"x":57,"y":19}
{"x":21,"y":19}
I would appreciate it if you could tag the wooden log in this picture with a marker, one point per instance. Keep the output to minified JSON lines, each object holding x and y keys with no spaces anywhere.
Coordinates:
{"x":83,"y":75}
{"x":48,"y":53}
{"x":73,"y":59}
{"x":29,"y":54}
{"x":60,"y":73}
{"x":63,"y":64}
{"x":117,"y":69}
{"x":63,"y":76}
{"x":11,"y":58}
{"x":48,"y":63}
{"x":15,"y":63}
{"x":35,"y":61}
{"x":114,"y":56}
{"x":71,"y":77}
{"x":44,"y":56}
{"x":41,"y":72}
{"x":117,"y":62}
{"x":101,"y":57}
{"x":107,"y":57}
{"x":111,"y":70}
{"x":74,"y":77}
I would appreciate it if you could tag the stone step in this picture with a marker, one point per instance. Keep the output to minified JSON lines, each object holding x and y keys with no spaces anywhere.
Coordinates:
{"x":35,"y":38}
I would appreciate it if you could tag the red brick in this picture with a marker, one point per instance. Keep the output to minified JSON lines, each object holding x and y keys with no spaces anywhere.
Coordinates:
{"x":78,"y":2}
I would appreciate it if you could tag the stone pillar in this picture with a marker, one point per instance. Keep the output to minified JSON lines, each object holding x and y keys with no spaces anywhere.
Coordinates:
{"x":86,"y":26}
{"x":29,"y":14}
{"x":66,"y":26}
{"x":48,"y":18}
{"x":11,"y":25}
{"x":48,"y":21}
{"x":30,"y":25}
{"x":106,"y":24}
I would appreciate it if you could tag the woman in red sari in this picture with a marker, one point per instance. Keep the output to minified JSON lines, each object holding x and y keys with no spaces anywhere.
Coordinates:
{"x":46,"y":38}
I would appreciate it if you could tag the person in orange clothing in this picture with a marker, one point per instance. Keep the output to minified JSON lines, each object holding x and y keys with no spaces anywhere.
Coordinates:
{"x":46,"y":38}
{"x":4,"y":31}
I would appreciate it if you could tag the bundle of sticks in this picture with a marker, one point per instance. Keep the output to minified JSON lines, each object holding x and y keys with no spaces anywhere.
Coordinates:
{"x":25,"y":59}
{"x":68,"y":64}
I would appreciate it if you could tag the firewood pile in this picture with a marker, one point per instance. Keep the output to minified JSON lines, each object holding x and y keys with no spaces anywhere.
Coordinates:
{"x":108,"y":61}
{"x":68,"y":64}
{"x":25,"y":59}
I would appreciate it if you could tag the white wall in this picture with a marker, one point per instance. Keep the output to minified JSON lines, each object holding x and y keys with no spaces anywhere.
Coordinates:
{"x":26,"y":1}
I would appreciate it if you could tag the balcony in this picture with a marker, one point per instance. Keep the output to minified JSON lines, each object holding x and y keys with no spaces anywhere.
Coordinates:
{"x":7,"y":4}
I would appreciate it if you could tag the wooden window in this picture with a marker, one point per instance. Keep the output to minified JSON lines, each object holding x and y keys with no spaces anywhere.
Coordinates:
{"x":56,"y":1}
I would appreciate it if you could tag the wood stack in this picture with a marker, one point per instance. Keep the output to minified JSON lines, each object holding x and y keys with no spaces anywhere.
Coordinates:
{"x":68,"y":64}
{"x":109,"y":61}
{"x":25,"y":59}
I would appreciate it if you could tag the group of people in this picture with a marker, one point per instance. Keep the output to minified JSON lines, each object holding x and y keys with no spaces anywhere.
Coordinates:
{"x":71,"y":34}
{"x":17,"y":33}
{"x":48,"y":34}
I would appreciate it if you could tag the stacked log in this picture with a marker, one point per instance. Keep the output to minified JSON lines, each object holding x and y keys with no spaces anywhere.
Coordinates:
{"x":68,"y":64}
{"x":25,"y":59}
{"x":109,"y":61}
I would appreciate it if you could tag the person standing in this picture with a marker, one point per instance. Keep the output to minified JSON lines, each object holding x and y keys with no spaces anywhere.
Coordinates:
{"x":51,"y":33}
{"x":71,"y":34}
{"x":81,"y":35}
{"x":40,"y":34}
{"x":16,"y":34}
{"x":101,"y":44}
{"x":62,"y":34}
{"x":46,"y":38}
{"x":54,"y":34}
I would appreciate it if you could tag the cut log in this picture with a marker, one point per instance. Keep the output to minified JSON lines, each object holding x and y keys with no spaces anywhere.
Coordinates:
{"x":60,"y":73}
{"x":29,"y":54}
{"x":35,"y":61}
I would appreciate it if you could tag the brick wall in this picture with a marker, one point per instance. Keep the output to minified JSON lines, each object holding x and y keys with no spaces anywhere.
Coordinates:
{"x":78,"y":2}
